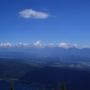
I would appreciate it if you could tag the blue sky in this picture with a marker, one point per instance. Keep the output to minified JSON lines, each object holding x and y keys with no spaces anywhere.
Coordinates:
{"x":46,"y":20}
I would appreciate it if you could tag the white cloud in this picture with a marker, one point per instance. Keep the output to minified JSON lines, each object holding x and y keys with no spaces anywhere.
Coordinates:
{"x":63,"y":45}
{"x":67,"y":45}
{"x":7,"y":44}
{"x":38,"y":44}
{"x":21,"y":44}
{"x":30,"y":13}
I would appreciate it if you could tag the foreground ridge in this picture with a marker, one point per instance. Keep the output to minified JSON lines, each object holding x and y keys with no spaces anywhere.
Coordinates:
{"x":11,"y":81}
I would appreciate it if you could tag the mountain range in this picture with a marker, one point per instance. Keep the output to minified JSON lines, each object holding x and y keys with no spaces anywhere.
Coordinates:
{"x":46,"y":67}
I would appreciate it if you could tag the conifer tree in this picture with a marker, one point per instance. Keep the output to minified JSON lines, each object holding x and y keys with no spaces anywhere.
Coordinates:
{"x":11,"y":85}
{"x":63,"y":86}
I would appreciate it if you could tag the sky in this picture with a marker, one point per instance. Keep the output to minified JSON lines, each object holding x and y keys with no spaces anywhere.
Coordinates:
{"x":49,"y":21}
